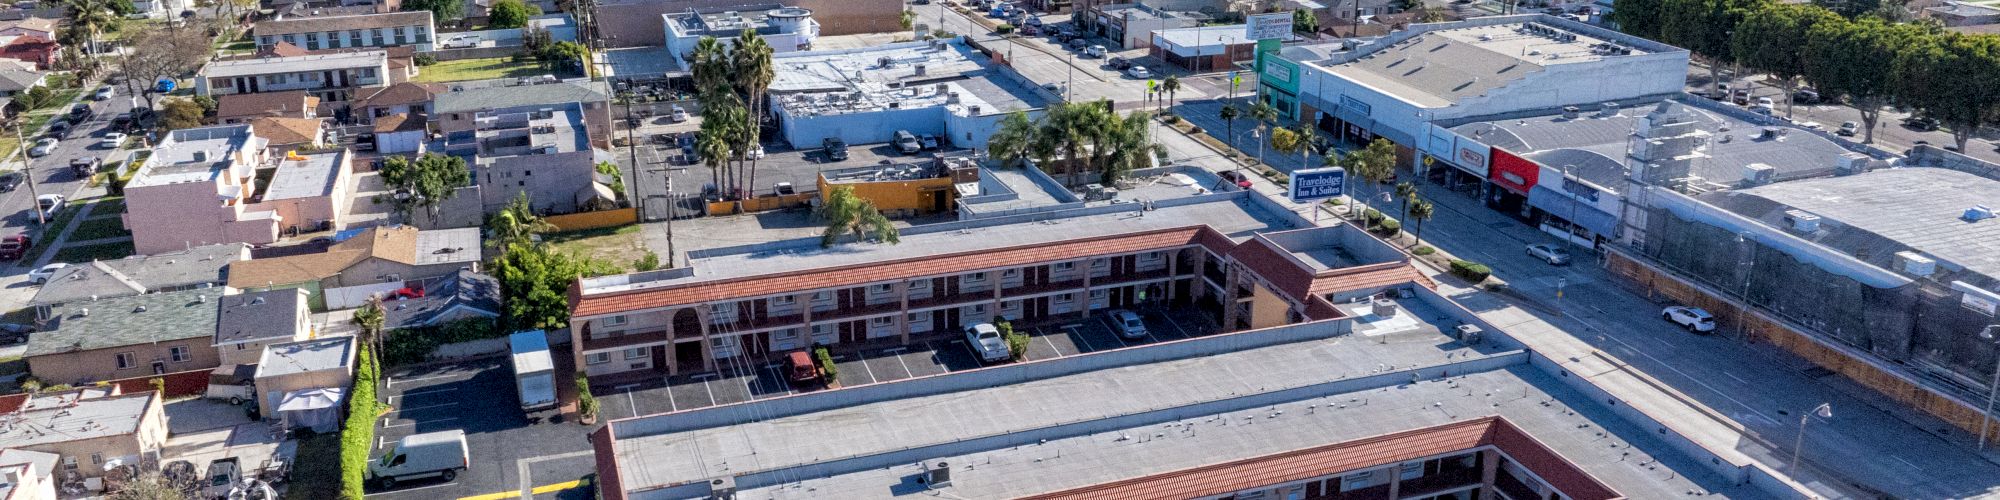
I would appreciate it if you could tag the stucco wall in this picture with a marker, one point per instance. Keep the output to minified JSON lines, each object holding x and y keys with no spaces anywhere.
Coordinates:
{"x":77,"y":368}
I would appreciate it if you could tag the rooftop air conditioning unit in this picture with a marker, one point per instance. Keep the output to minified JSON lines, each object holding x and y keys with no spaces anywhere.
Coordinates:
{"x":1759,"y":173}
{"x":722,"y":488}
{"x":1915,"y":264}
{"x":1801,"y":221}
{"x":937,"y":475}
{"x":1571,"y":112}
{"x":920,"y":70}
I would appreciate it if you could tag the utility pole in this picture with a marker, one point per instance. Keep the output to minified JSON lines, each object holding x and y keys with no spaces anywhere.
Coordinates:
{"x":28,"y":173}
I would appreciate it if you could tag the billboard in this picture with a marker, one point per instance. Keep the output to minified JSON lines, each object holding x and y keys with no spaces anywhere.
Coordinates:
{"x":1318,"y":184}
{"x":1273,"y":26}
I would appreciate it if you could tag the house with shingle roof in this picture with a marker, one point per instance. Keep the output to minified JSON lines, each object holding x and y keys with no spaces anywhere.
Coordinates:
{"x":241,"y":108}
{"x":123,"y":337}
{"x":374,"y":261}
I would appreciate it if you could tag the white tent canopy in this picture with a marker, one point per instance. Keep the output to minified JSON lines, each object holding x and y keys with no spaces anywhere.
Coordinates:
{"x":317,"y":409}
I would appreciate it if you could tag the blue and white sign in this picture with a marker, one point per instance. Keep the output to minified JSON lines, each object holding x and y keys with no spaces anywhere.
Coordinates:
{"x":1318,"y":184}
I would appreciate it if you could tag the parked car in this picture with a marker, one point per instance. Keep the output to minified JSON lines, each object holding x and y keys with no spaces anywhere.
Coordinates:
{"x":1848,"y":129}
{"x":1139,"y":72}
{"x":1554,"y":255}
{"x":677,"y":114}
{"x":800,"y":369}
{"x":42,"y":274}
{"x":1095,"y":51}
{"x":1034,"y":21}
{"x":111,"y":141}
{"x":1120,"y":63}
{"x":1806,"y":96}
{"x":43,"y":147}
{"x":1694,"y":319}
{"x":80,"y":112}
{"x":432,"y":454}
{"x":1236,"y":178}
{"x":408,"y":292}
{"x":930,"y":142}
{"x":15,"y":333}
{"x":1923,"y":123}
{"x":50,"y":204}
{"x":9,"y":181}
{"x":836,"y":149}
{"x":985,"y":340}
{"x":13,"y":247}
{"x":58,"y":129}
{"x":1741,"y":97}
{"x":1077,"y":44}
{"x":907,"y":142}
{"x":1720,"y":92}
{"x":1765,"y":102}
{"x":1812,"y":126}
{"x":1127,"y":323}
{"x":222,"y":475}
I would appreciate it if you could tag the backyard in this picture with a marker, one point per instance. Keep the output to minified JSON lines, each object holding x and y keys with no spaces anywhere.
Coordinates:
{"x":619,"y":245}
{"x":478,"y":69}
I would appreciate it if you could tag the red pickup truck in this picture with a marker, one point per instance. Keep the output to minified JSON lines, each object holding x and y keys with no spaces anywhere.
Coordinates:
{"x":13,"y":247}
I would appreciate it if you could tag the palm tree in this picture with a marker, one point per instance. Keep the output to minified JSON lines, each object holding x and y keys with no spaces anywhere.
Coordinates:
{"x":1015,"y":140}
{"x":1408,"y":192}
{"x":719,"y":122}
{"x":517,"y":222}
{"x":91,"y":18}
{"x":1229,"y":114}
{"x":847,"y":213}
{"x":1131,"y":146}
{"x":1171,"y":85}
{"x":1263,"y":113}
{"x":1420,"y":210}
{"x":370,"y":318}
{"x":754,"y":73}
{"x":709,"y":65}
{"x":1305,"y":133}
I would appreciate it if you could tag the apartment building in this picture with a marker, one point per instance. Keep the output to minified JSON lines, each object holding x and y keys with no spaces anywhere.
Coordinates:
{"x":411,"y":28}
{"x":195,"y":189}
{"x":761,"y":299}
{"x":330,"y":76}
{"x":457,"y":112}
{"x":543,"y":151}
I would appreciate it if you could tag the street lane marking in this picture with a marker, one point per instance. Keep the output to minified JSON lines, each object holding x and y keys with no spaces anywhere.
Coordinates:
{"x":1606,"y":334}
{"x":425,"y":407}
{"x":1738,"y":379}
{"x":393,"y":381}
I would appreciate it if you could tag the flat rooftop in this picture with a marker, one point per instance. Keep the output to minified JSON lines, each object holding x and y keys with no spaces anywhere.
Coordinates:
{"x":1136,"y":412}
{"x":331,"y":353}
{"x":195,"y":154}
{"x":725,"y":24}
{"x":310,"y":176}
{"x":977,"y":96}
{"x":1596,"y":144}
{"x":827,"y":70}
{"x":73,"y":418}
{"x":1237,"y":218}
{"x":1919,"y":208}
{"x":1439,"y":67}
{"x":296,"y":64}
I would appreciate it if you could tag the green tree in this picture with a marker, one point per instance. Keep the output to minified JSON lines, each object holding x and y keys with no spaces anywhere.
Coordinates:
{"x":617,"y":176}
{"x":1851,"y":8}
{"x":151,"y":486}
{"x":1307,"y":134}
{"x":506,"y":14}
{"x":1130,"y":146}
{"x":1773,"y":39}
{"x":425,"y":183}
{"x":1015,"y":139}
{"x":37,"y":97}
{"x":1639,"y":18}
{"x":908,"y":20}
{"x":1170,"y":85}
{"x":1408,"y":192}
{"x":721,"y":120}
{"x":446,"y":11}
{"x":1286,"y":141}
{"x":535,"y":278}
{"x":753,"y":73}
{"x":370,"y":318}
{"x":847,"y":213}
{"x":1228,"y":115}
{"x":565,"y":56}
{"x":1420,"y":210}
{"x":1950,"y":77}
{"x":176,"y":114}
{"x":536,"y":40}
{"x":1304,"y":22}
{"x":88,"y":20}
{"x":1857,"y":59}
{"x":1373,"y":164}
{"x":1703,"y":27}
{"x":516,"y":223}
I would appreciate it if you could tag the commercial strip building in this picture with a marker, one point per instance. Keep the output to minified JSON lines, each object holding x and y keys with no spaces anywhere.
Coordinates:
{"x":1372,"y":399}
{"x":863,"y":96}
{"x":637,"y":23}
{"x":784,"y":29}
{"x":1204,"y":49}
{"x":1130,"y":25}
{"x":1204,"y":252}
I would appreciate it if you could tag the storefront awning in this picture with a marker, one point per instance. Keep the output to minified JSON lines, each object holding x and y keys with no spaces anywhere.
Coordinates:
{"x":1583,"y":215}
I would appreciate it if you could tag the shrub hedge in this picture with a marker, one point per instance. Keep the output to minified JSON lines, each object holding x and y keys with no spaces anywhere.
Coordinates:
{"x":1371,"y":216}
{"x":1471,"y":271}
{"x":1017,"y":343}
{"x":1388,"y":227}
{"x":1423,"y":250}
{"x":586,"y":404}
{"x":357,"y":433}
{"x":827,"y":370}
{"x":414,"y":345}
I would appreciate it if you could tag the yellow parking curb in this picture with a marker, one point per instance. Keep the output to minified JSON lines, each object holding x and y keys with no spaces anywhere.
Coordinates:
{"x":516,"y":494}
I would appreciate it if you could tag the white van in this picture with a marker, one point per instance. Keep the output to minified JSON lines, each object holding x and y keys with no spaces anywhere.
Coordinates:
{"x":439,"y":454}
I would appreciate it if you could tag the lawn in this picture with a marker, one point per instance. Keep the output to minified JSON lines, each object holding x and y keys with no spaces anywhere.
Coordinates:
{"x":42,"y":240}
{"x":316,"y":470}
{"x":98,"y":227}
{"x":107,"y":251}
{"x":34,"y":129}
{"x":478,"y":69}
{"x":620,"y":245}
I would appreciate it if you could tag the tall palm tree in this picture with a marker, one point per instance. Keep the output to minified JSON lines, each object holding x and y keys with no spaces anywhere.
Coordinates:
{"x":370,"y":318}
{"x":710,"y":66}
{"x":1015,"y":140}
{"x":719,"y":122}
{"x":91,"y":18}
{"x":1421,"y":211}
{"x":1171,"y":85}
{"x":1306,"y":134}
{"x":1131,"y":146}
{"x":517,"y":222}
{"x":1408,"y":192}
{"x":754,"y":72}
{"x":1229,"y":114}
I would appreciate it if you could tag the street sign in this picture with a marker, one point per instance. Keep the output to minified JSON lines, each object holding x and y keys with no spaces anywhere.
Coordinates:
{"x":1272,"y":26}
{"x":1318,"y":184}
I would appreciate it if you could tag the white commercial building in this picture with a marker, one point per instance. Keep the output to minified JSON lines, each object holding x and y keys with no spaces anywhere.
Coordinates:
{"x":863,"y":96}
{"x":785,"y":29}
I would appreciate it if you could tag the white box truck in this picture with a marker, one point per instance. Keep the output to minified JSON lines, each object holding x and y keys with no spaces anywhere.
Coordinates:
{"x":534,"y":370}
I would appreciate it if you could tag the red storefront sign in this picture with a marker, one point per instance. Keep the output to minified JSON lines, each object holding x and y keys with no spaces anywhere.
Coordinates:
{"x":1513,"y":172}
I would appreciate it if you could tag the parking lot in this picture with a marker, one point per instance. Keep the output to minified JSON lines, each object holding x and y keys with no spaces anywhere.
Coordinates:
{"x":478,"y":397}
{"x":736,"y":382}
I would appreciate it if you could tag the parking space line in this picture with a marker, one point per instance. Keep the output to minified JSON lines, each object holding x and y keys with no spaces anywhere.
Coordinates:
{"x":425,"y":407}
{"x":710,"y":391}
{"x":1177,"y":327}
{"x":1114,"y":332}
{"x":425,"y":391}
{"x":414,"y":423}
{"x":975,"y":352}
{"x":393,"y":381}
{"x":906,"y":366}
{"x":1045,"y":340}
{"x":866,"y":369}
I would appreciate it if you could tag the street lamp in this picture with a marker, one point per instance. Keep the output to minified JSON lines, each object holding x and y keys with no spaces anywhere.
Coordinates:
{"x":1986,"y":418}
{"x":1825,"y":410}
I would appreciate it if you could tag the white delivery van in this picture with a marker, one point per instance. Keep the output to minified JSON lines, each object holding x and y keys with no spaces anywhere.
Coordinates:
{"x":534,"y":370}
{"x":431,"y":454}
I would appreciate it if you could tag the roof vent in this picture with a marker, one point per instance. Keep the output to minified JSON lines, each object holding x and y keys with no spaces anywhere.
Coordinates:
{"x":140,"y":309}
{"x":1977,"y":213}
{"x":85,"y":312}
{"x":200,"y":156}
{"x":257,"y":301}
{"x":201,"y":299}
{"x":1570,"y":112}
{"x":1801,"y":221}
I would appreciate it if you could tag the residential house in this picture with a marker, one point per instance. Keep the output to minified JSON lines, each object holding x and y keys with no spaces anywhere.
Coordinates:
{"x":28,"y":475}
{"x":40,"y":27}
{"x":197,"y":188}
{"x":123,"y":337}
{"x":307,"y":364}
{"x":251,"y":320}
{"x":87,"y":430}
{"x":332,"y":76}
{"x":204,"y":266}
{"x":291,"y":134}
{"x":401,"y":98}
{"x":401,"y":133}
{"x":510,"y":147}
{"x":15,"y":81}
{"x":309,"y":193}
{"x":1963,"y":14}
{"x":463,"y":294}
{"x":241,"y":108}
{"x":376,"y":261}
{"x":411,"y":28}
{"x":457,"y":111}
{"x":31,"y":48}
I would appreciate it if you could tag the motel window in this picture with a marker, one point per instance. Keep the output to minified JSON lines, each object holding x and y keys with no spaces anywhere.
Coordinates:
{"x":822,"y":296}
{"x":1010,"y":273}
{"x":1412,"y":470}
{"x":822,"y":329}
{"x":367,"y":72}
{"x":783,"y":300}
{"x":1065,"y":298}
{"x":917,"y":317}
{"x":1099,"y":263}
{"x":786,"y":334}
{"x":1098,"y":294}
{"x":597,"y":358}
{"x":883,"y":321}
{"x":180,"y":354}
{"x":97,"y":459}
{"x":615,"y":320}
{"x":975,"y":277}
{"x":635,"y":353}
{"x":1065,"y":266}
{"x":978,"y":309}
{"x":920,"y":283}
{"x":1355,"y":481}
{"x":722,"y":310}
{"x":885,"y":288}
{"x":126,"y":360}
{"x":1151,"y":256}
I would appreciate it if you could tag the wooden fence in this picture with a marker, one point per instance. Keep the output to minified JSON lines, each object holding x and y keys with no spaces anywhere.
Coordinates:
{"x":594,"y":220}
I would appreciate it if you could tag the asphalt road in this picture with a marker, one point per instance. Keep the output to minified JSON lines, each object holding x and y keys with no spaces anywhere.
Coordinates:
{"x":52,"y":176}
{"x":1890,"y":133}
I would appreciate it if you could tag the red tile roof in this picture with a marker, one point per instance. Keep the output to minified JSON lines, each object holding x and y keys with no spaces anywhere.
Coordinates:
{"x":1275,"y":266}
{"x":1366,"y":277}
{"x":856,"y":274}
{"x":1324,"y":460}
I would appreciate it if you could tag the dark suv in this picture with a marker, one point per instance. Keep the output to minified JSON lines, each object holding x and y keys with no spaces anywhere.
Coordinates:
{"x":836,"y":150}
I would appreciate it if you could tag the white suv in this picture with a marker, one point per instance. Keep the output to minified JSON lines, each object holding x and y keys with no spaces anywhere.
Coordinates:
{"x":1694,"y":319}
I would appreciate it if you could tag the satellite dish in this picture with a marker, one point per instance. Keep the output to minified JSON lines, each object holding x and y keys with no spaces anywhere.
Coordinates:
{"x":164,"y":85}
